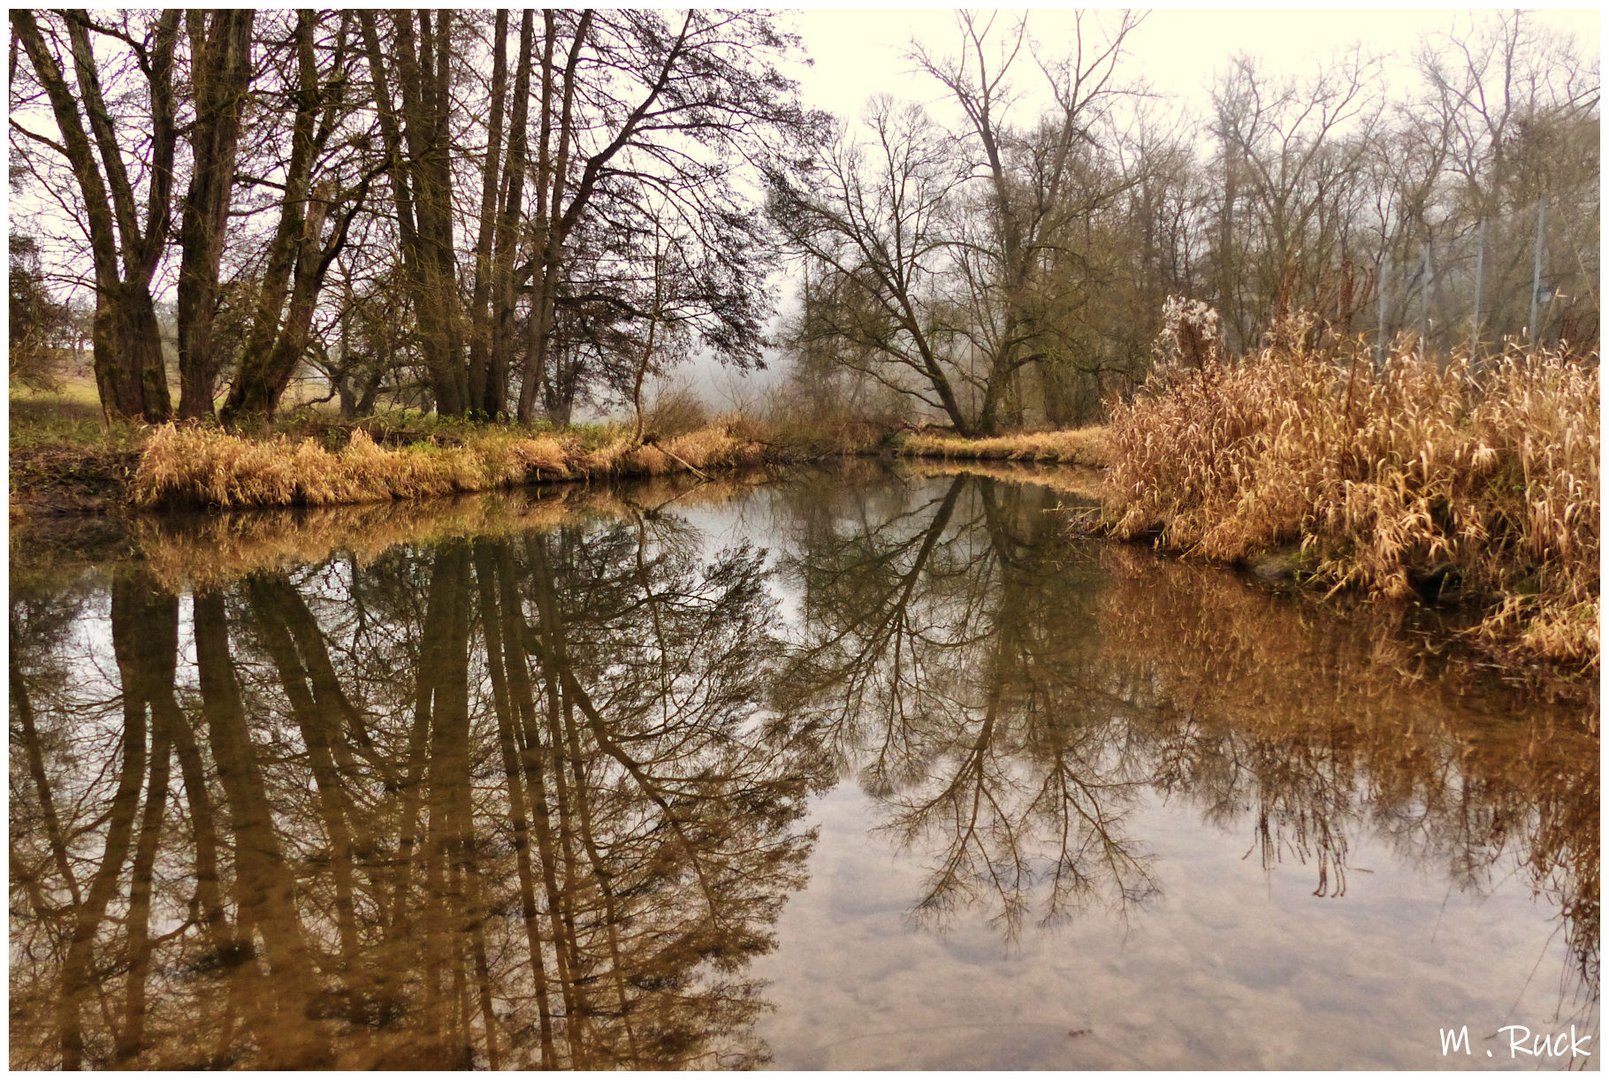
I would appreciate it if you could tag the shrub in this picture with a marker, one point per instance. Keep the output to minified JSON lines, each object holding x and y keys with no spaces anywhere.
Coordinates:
{"x":675,"y":410}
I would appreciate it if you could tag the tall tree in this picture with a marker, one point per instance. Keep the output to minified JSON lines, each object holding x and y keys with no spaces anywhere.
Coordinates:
{"x":416,"y":57}
{"x":316,"y":211}
{"x":873,"y":217}
{"x":1286,"y":153}
{"x":126,"y":244}
{"x":480,"y":305}
{"x":634,"y":104}
{"x":506,"y":235}
{"x":947,"y":256}
{"x":1041,"y":183}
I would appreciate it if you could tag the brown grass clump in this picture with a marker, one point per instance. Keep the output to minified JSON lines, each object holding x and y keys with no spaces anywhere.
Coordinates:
{"x":608,"y":459}
{"x":191,"y":464}
{"x":1079,"y":446}
{"x":508,"y":460}
{"x":706,"y":448}
{"x":217,"y":469}
{"x":650,"y":461}
{"x":724,"y":444}
{"x":202,"y":465}
{"x":675,"y":410}
{"x":1423,"y":476}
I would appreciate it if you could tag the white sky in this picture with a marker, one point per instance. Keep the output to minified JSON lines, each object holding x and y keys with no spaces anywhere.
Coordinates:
{"x":858,"y":53}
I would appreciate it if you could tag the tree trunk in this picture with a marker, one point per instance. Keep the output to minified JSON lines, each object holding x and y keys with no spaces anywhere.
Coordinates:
{"x":250,"y":392}
{"x":260,"y":388}
{"x":298,"y":259}
{"x":495,"y":402}
{"x":481,"y":322}
{"x":553,"y":219}
{"x":221,"y":72}
{"x":421,"y":185}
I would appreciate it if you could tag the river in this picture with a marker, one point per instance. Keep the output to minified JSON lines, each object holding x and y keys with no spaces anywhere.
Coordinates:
{"x":849,"y":769}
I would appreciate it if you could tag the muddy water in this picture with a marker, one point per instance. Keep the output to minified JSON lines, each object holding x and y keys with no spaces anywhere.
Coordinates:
{"x":836,"y":772}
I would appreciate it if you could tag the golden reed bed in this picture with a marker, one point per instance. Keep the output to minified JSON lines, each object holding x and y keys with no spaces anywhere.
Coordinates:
{"x":1480,"y":478}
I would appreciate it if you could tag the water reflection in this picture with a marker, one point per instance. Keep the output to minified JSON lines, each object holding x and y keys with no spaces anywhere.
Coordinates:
{"x":535,"y":797}
{"x":1310,"y":729}
{"x":1005,"y":698}
{"x":946,"y":655}
{"x":492,"y":803}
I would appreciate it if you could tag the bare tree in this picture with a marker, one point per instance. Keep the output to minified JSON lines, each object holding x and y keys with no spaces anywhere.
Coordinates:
{"x":416,"y":58}
{"x":634,"y":105}
{"x":1516,"y":110}
{"x":315,"y":216}
{"x":952,"y":261}
{"x":874,"y":218}
{"x":1287,"y":150}
{"x":1044,"y":182}
{"x":126,"y":244}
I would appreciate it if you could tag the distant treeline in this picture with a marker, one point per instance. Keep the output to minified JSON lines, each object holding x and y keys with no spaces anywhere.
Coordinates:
{"x":1013,"y":266}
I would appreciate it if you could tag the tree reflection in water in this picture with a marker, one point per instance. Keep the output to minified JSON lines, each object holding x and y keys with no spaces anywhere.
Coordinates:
{"x":1008,"y":698}
{"x":948,"y":657}
{"x":537,"y":800}
{"x":493,"y":803}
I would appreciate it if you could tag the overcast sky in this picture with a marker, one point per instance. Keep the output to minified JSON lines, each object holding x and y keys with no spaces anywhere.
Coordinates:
{"x":858,"y":53}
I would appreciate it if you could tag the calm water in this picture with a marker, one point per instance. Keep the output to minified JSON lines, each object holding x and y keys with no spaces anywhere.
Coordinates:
{"x":845,"y":771}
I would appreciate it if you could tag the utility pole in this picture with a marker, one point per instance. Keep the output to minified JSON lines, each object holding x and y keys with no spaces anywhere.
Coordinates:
{"x":1480,"y":273}
{"x":1536,"y":267}
{"x":1424,"y":300}
{"x":1380,"y":305}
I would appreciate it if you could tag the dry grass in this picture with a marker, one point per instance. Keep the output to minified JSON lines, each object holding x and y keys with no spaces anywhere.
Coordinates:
{"x":1423,"y":476}
{"x":199,"y":465}
{"x":725,"y":444}
{"x":1079,"y":486}
{"x":1079,"y":446}
{"x":675,"y":410}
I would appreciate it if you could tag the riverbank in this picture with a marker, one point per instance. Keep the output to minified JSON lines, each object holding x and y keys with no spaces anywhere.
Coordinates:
{"x":204,"y":467}
{"x":1086,"y":447}
{"x":1428,"y":480}
{"x":65,"y":460}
